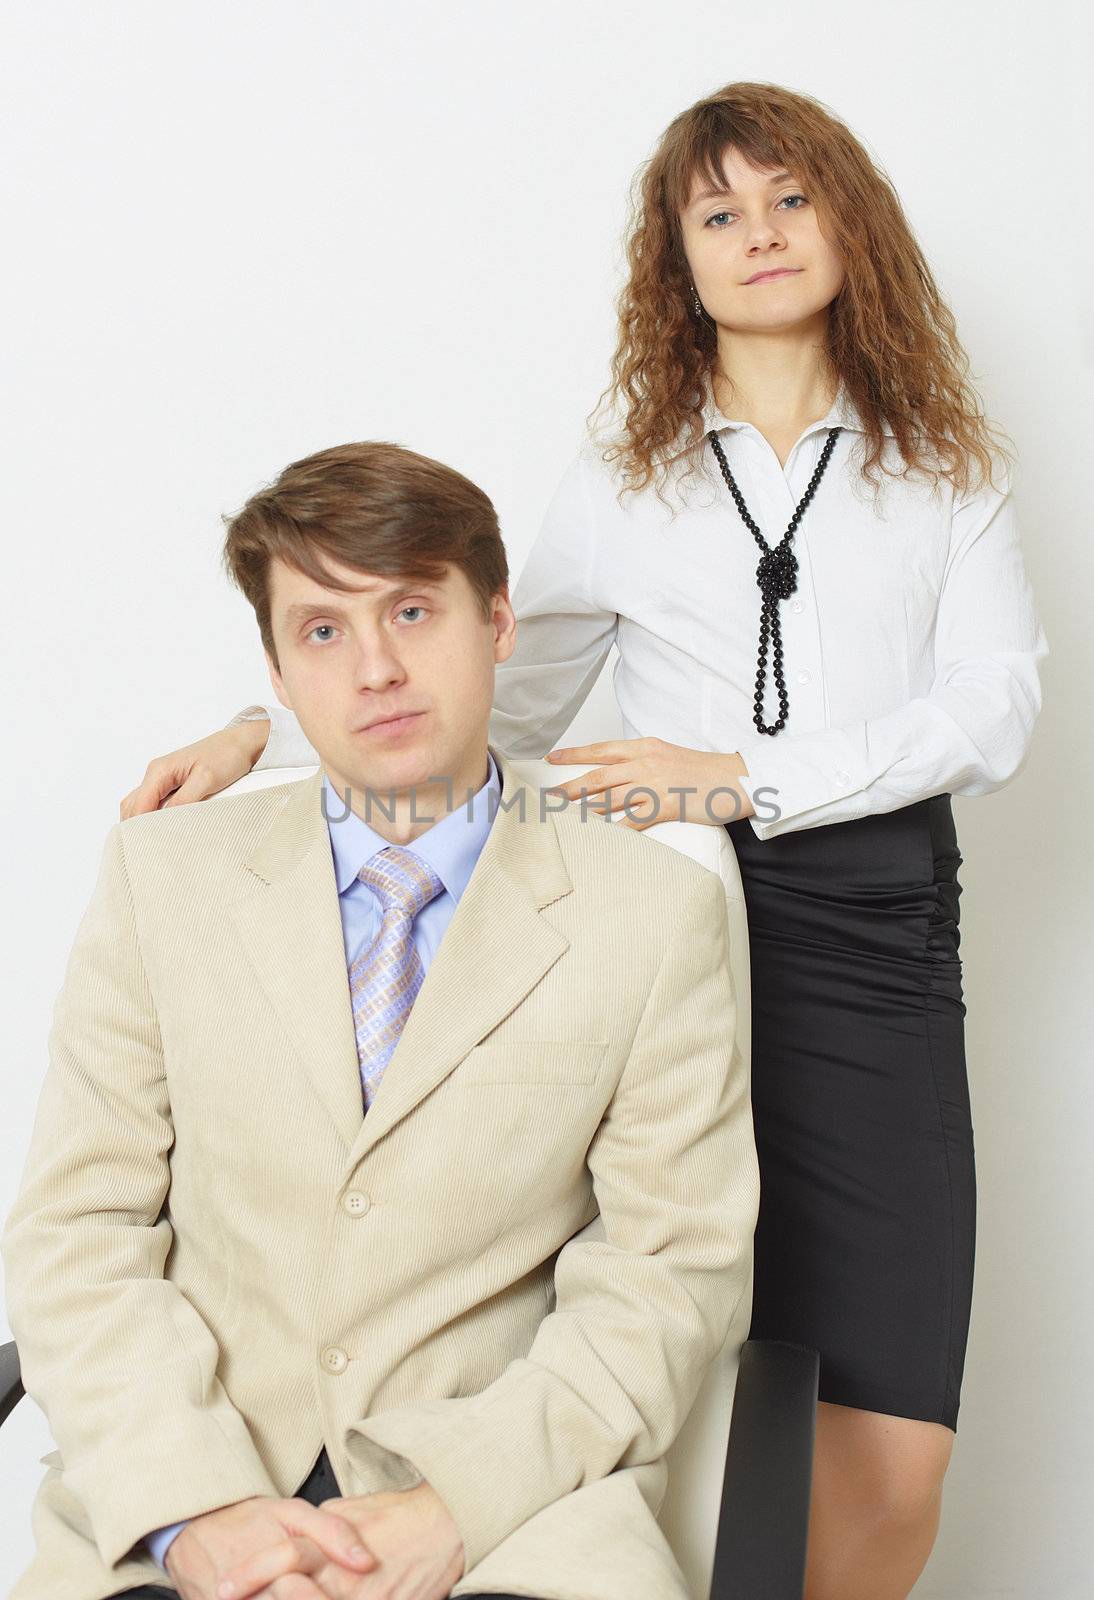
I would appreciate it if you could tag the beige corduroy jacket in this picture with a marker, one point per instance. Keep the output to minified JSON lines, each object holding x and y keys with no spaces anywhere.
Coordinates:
{"x":217,"y":1263}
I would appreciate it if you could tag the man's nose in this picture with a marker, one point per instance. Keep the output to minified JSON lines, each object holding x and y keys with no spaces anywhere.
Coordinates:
{"x":377,"y":664}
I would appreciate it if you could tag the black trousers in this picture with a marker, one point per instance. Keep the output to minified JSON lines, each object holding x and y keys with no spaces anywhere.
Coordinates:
{"x":866,"y":1233}
{"x":319,"y":1485}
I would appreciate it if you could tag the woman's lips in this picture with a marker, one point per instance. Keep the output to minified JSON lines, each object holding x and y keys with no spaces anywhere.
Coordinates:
{"x":765,"y":277}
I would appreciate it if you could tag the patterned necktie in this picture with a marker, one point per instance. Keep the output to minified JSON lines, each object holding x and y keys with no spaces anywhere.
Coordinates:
{"x":384,"y":979}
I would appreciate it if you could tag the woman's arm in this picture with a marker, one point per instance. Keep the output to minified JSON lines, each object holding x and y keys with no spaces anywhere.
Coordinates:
{"x":564,"y":632}
{"x":969,"y":735}
{"x":286,"y":744}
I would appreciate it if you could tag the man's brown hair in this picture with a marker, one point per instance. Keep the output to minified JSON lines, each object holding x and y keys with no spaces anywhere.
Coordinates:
{"x":369,"y":505}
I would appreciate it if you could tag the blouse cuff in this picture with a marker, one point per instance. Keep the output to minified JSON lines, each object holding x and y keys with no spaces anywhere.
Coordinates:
{"x":787,"y":778}
{"x":287,"y":745}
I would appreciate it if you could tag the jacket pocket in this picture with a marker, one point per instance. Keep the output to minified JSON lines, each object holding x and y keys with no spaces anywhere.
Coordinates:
{"x":531,"y":1061}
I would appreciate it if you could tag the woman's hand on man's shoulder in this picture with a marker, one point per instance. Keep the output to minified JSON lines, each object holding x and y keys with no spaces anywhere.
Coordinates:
{"x":198,"y":770}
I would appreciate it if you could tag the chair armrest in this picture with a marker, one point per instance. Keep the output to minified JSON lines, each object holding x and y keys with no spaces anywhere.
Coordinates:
{"x":764,"y":1520}
{"x":11,"y":1389}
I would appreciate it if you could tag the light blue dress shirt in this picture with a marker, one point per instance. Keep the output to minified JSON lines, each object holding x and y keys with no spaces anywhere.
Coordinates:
{"x":451,"y":847}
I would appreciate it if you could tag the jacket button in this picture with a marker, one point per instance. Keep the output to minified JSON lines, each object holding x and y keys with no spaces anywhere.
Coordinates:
{"x":842,"y":777}
{"x":334,"y":1359}
{"x":355,"y":1202}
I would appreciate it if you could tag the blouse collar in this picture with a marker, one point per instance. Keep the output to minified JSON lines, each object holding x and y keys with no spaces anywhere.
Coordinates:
{"x":841,"y":413}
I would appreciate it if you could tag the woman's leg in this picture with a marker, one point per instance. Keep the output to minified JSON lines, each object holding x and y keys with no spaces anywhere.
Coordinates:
{"x":865,"y":1237}
{"x":875,"y":1505}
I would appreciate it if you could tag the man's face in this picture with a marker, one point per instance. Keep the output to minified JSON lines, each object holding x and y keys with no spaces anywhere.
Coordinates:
{"x":393,"y":647}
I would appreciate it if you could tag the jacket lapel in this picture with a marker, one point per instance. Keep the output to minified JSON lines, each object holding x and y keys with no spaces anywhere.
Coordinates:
{"x":495,"y":950}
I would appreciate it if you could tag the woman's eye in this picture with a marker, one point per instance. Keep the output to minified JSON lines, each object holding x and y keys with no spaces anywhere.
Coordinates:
{"x":722,"y":214}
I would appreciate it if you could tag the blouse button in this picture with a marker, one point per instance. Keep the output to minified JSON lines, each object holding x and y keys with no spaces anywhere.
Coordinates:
{"x":803,"y":677}
{"x":796,"y":605}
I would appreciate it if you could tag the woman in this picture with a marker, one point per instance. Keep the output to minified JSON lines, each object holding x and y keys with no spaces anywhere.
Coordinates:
{"x":800,"y":506}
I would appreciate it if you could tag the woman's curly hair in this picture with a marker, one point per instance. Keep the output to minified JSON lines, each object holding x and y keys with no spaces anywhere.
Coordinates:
{"x":891,"y":338}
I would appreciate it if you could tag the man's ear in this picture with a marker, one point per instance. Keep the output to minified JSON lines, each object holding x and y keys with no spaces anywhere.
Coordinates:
{"x":505,"y":626}
{"x":275,"y":679}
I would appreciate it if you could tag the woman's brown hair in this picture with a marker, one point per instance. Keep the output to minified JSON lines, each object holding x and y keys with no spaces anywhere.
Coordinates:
{"x":891,"y":337}
{"x":374,"y":507}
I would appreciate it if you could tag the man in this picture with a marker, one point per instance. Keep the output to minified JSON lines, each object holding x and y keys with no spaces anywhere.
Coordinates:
{"x":292,"y":1269}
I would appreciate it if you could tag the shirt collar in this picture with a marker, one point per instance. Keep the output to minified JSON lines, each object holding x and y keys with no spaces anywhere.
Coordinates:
{"x":841,"y":413}
{"x":450,"y":846}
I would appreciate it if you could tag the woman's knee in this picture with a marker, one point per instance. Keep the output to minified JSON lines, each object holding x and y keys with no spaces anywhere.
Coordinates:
{"x":891,"y":1469}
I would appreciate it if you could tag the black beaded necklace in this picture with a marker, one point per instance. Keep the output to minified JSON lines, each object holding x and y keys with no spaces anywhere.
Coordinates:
{"x":777,"y":576}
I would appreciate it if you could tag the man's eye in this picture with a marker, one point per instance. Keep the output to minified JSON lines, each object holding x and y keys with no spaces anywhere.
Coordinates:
{"x":319,"y":627}
{"x":405,"y":609}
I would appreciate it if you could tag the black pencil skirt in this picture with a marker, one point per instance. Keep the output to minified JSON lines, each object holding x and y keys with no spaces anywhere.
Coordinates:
{"x":866,"y":1231}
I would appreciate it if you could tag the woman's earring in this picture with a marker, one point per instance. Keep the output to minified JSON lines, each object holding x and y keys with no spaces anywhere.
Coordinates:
{"x":696,"y":302}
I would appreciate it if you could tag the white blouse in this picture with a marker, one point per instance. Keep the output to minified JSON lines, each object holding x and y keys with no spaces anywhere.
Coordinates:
{"x":910,"y":647}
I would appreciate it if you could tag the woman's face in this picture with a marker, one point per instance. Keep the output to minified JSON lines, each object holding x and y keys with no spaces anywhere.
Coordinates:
{"x":761,"y":221}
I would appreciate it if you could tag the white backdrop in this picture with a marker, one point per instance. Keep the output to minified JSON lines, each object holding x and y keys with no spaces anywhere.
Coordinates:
{"x":237,"y":233}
